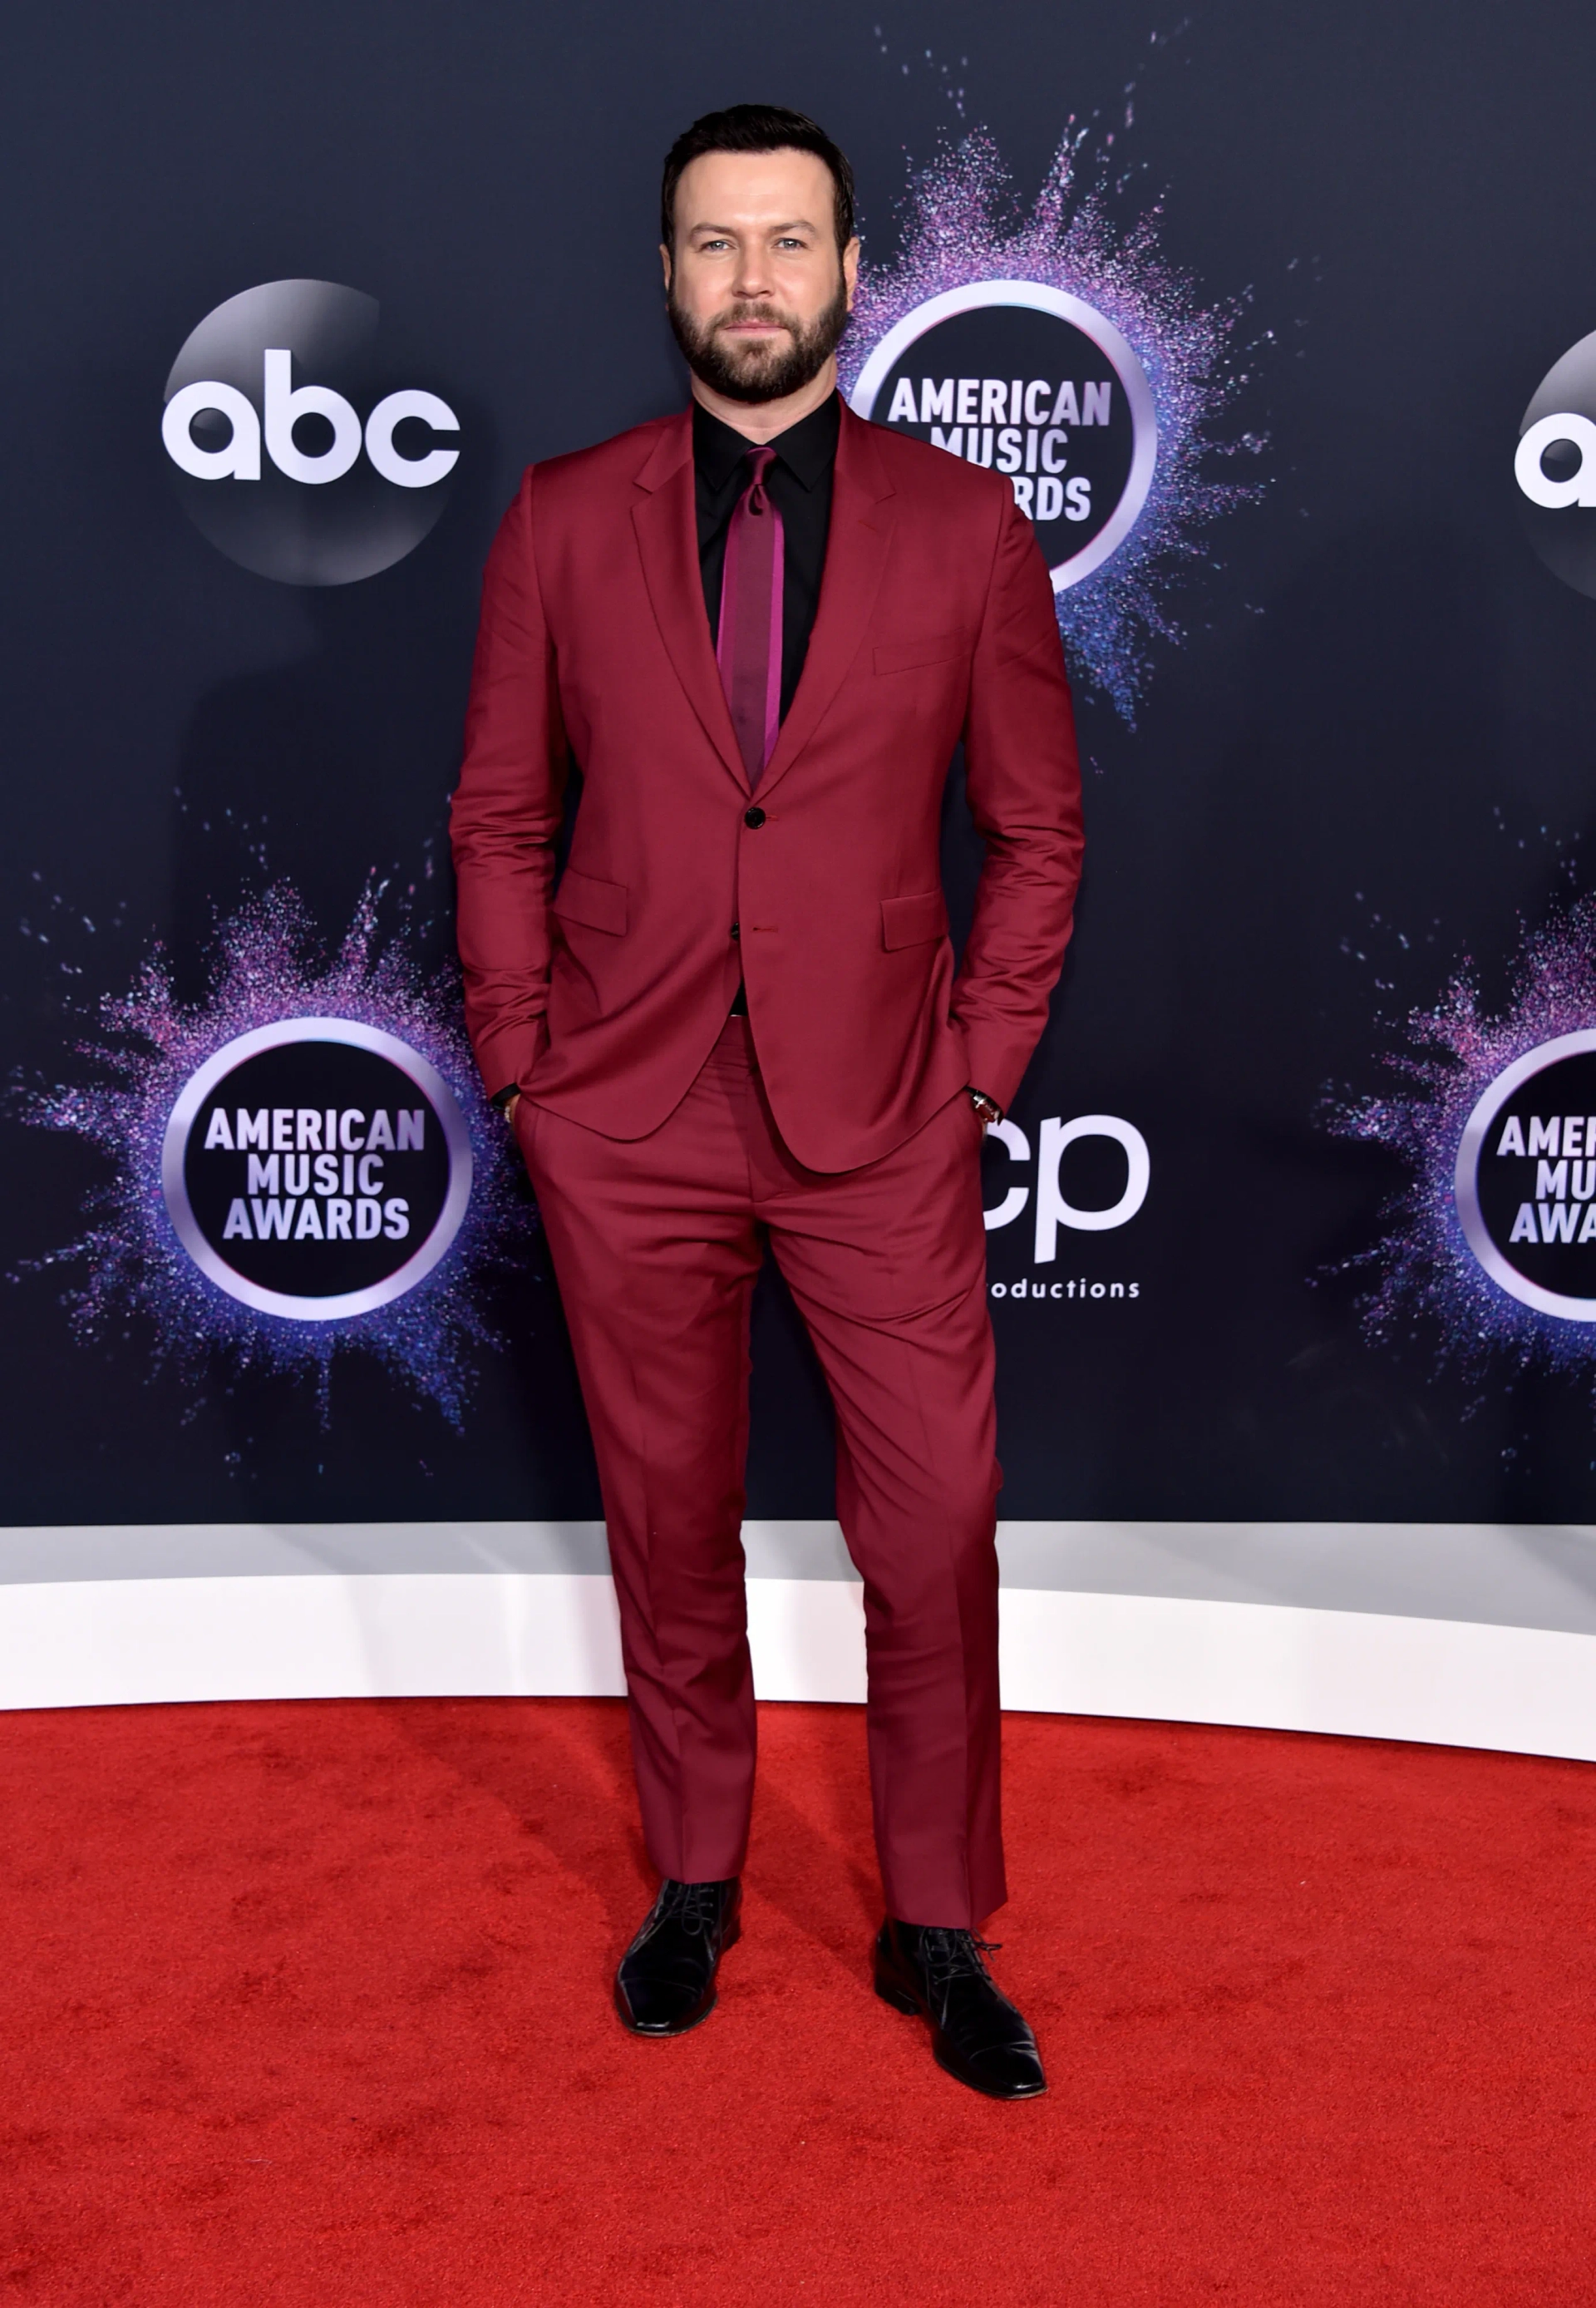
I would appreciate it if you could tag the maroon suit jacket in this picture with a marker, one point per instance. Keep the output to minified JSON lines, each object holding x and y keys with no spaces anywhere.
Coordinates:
{"x":602,"y":996}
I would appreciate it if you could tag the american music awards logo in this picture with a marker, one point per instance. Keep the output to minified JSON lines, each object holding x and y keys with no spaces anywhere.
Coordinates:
{"x":1492,"y":1244}
{"x":1032,"y":383}
{"x":316,"y":1167}
{"x":1062,"y":349}
{"x":297,"y":1165}
{"x":1526,"y":1178}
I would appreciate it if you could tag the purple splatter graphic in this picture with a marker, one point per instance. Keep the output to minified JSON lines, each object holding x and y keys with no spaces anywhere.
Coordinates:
{"x":267,"y":967}
{"x":1425,"y":1267}
{"x":964,"y":224}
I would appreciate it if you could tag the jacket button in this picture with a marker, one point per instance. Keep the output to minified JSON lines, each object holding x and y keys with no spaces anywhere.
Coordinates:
{"x":736,"y":930}
{"x":753,"y":819}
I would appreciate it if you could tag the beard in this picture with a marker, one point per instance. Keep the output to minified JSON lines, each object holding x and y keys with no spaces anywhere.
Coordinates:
{"x":768,"y":368}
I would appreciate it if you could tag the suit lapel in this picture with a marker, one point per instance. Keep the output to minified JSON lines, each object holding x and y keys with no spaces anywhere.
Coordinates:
{"x":857,"y":550}
{"x":666,"y":526}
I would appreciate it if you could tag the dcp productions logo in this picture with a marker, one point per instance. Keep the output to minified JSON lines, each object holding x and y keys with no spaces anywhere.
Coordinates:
{"x":320,"y":481}
{"x":316,"y":1168}
{"x":1555,"y":467}
{"x":1032,"y":382}
{"x":1114,"y":1146}
{"x":1526,"y":1178}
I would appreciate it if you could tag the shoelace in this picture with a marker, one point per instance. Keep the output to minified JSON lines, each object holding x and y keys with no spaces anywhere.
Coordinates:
{"x":696,"y":1906}
{"x":949,"y":1955}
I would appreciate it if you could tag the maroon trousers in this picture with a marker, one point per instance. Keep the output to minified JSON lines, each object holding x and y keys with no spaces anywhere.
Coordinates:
{"x":657,"y":1243}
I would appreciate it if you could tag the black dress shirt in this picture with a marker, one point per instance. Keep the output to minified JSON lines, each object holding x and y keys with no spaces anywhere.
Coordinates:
{"x":800,"y":486}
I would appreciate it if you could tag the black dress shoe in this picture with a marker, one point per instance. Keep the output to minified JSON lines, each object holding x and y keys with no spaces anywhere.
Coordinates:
{"x":976,"y":2033}
{"x":666,"y":1981}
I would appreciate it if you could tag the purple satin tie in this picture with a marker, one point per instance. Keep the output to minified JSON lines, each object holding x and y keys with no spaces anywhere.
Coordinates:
{"x":748,"y":649}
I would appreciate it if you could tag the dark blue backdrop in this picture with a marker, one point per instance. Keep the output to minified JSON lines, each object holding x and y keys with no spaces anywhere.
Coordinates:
{"x":1370,"y":754}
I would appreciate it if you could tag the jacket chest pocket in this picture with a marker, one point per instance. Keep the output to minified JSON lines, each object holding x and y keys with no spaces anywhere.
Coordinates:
{"x":935,"y":649}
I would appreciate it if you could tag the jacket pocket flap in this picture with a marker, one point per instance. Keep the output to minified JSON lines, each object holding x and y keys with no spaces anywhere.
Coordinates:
{"x":936,"y":648}
{"x":913,"y":921}
{"x":596,"y":905}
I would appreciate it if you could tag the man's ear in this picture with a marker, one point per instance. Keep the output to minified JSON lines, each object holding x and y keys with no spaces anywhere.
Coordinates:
{"x":850,"y":265}
{"x":665,"y":258}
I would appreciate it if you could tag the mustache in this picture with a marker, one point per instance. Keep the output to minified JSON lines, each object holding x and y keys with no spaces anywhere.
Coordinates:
{"x":768,"y":316}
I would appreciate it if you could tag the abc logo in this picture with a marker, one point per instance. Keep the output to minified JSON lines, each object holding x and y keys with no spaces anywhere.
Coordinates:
{"x":1032,"y":382}
{"x":292,"y":453}
{"x":1555,"y":467}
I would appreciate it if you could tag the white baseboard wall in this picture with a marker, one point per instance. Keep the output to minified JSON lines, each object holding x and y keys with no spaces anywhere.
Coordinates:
{"x":102,"y":1643}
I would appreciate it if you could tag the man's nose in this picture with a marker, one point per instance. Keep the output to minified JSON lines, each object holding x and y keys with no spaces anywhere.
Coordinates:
{"x":752,"y":280}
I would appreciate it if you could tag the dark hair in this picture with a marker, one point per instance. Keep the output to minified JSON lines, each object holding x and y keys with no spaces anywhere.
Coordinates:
{"x":756,"y":128}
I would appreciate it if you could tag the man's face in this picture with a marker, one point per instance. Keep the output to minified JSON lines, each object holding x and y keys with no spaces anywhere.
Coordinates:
{"x":758,"y":293}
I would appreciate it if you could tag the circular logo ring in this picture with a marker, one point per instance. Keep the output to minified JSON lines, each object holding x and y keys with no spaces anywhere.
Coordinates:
{"x":1035,"y":295}
{"x":216,"y":1069}
{"x":1466,"y":1179}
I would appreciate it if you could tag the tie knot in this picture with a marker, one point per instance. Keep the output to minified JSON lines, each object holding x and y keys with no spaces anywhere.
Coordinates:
{"x":760,"y":461}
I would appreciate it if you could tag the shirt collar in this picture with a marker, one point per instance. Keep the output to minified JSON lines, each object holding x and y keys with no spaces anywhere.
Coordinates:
{"x":806,"y":449}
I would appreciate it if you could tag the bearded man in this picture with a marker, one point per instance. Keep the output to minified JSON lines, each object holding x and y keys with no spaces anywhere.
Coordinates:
{"x":761,"y":628}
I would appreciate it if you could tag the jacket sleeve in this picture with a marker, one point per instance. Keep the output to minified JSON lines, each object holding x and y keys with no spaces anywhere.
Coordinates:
{"x":506,"y":810}
{"x":1023,"y":782}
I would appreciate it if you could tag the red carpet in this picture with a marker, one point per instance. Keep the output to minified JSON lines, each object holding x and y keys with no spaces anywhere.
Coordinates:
{"x":306,"y":2006}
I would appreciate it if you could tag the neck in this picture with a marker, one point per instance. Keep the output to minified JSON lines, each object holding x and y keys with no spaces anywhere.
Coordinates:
{"x":763,"y":421}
